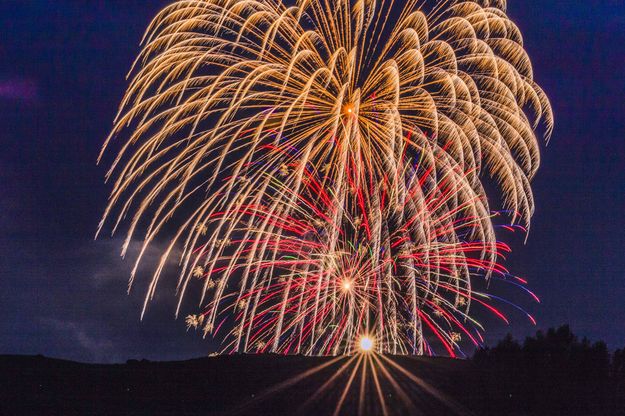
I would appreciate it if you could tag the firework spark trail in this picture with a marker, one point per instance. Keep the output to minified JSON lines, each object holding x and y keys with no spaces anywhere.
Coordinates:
{"x":348,"y":292}
{"x":299,"y":148}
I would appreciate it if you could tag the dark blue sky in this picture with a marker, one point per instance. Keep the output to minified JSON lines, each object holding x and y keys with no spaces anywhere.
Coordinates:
{"x":62,"y":68}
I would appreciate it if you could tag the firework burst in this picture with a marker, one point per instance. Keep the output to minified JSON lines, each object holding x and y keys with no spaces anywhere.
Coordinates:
{"x":322,"y":165}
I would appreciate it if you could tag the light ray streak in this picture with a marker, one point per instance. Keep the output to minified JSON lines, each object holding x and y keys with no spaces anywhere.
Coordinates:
{"x":431,"y":390}
{"x":348,"y":385}
{"x":378,"y":387}
{"x":286,"y":384}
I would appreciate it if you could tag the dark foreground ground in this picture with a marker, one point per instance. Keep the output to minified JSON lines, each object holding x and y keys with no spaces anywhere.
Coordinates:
{"x":265,"y":385}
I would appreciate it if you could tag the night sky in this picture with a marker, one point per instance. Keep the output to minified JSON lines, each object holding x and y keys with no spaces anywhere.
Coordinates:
{"x":62,"y":73}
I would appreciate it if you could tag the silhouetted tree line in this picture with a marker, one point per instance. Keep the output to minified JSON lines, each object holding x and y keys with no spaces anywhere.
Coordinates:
{"x":553,"y":373}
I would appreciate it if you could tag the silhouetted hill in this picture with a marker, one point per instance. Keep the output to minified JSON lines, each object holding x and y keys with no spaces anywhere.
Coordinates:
{"x":234,"y":384}
{"x":550,"y":374}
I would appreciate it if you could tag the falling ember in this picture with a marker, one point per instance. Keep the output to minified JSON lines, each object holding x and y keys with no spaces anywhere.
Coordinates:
{"x":275,"y":147}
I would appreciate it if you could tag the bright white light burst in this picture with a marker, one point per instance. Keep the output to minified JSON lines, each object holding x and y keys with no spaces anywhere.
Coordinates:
{"x":366,"y":344}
